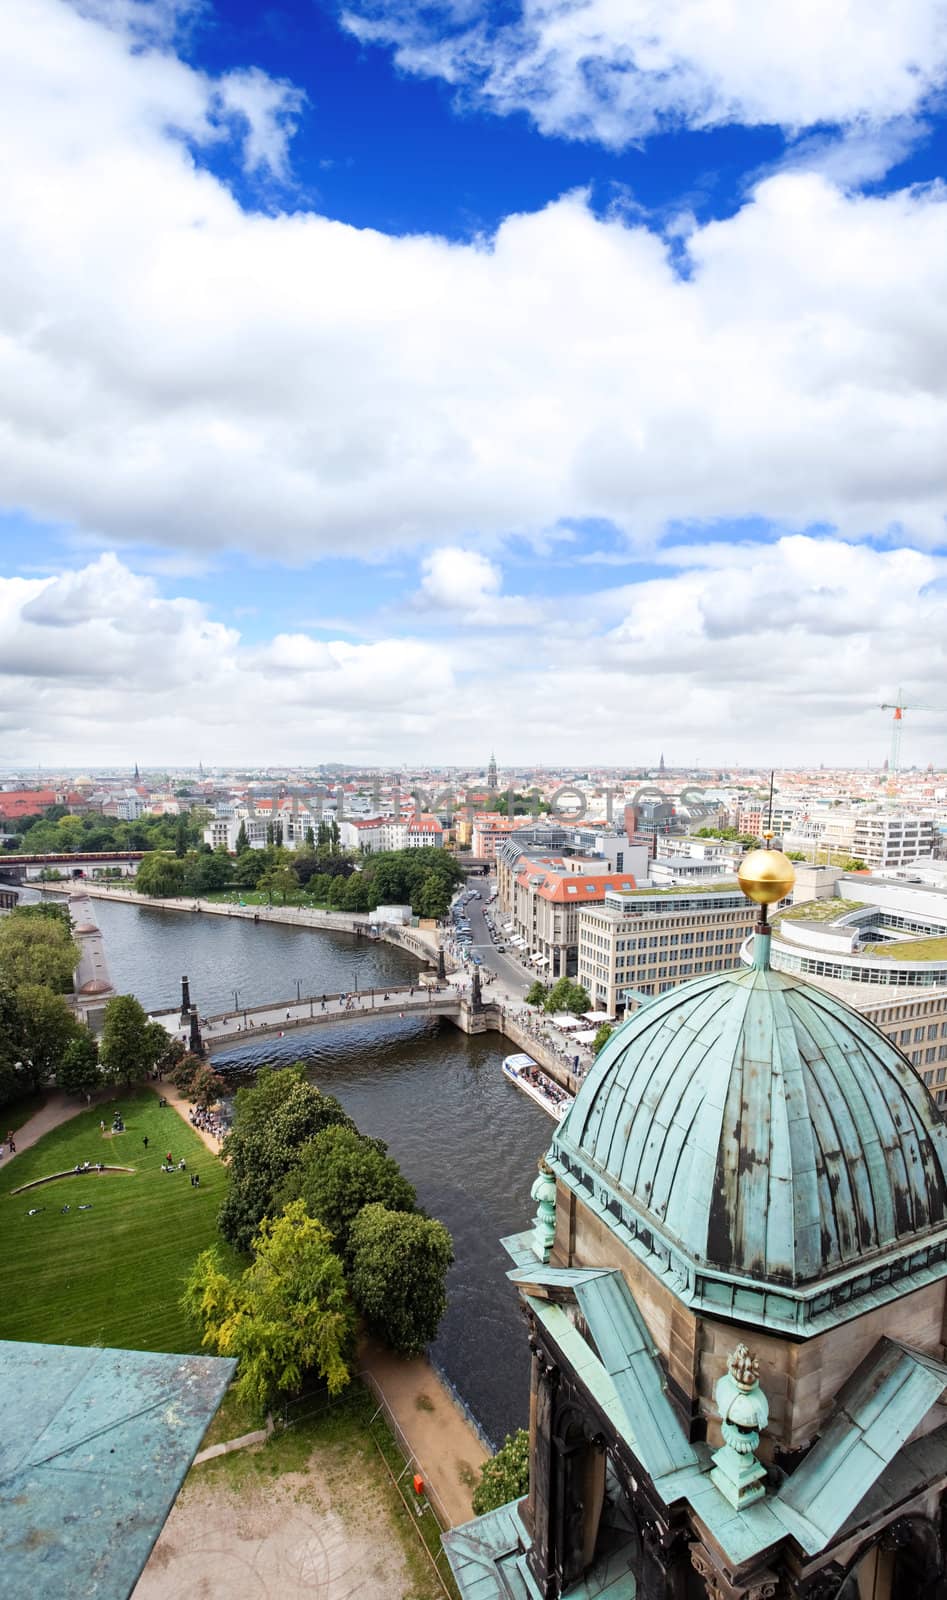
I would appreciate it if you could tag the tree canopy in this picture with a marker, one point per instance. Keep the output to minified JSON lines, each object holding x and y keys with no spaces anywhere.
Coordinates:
{"x":287,"y":1315}
{"x":505,"y":1476}
{"x":339,"y":1172}
{"x":567,"y":995}
{"x":399,"y":1266}
{"x":132,"y":1045}
{"x":37,"y":947}
{"x":272,"y":1121}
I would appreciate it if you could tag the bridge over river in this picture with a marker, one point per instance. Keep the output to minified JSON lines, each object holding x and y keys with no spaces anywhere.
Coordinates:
{"x":307,"y":1011}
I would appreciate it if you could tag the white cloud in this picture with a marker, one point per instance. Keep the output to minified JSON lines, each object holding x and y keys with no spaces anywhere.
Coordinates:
{"x":175,"y":371}
{"x":780,"y":653}
{"x":619,"y":70}
{"x":467,"y":585}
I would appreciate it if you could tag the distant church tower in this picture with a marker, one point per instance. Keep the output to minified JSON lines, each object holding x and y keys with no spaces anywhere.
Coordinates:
{"x":492,"y":772}
{"x":661,"y":763}
{"x":137,"y":773}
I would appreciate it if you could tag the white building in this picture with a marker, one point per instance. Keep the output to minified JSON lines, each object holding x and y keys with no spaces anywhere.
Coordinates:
{"x":884,"y":839}
{"x":650,"y":940}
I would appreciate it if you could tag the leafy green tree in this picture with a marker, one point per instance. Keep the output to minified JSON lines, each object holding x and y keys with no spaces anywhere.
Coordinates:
{"x":273,"y":1120}
{"x":310,"y":837}
{"x":78,"y":1068}
{"x":505,"y":1476}
{"x":160,"y":875}
{"x":536,"y":993}
{"x":185,"y":1070}
{"x":357,"y":895}
{"x":796,"y":855}
{"x":339,"y":1172}
{"x":243,"y":839}
{"x":567,"y":995}
{"x":278,"y":880}
{"x":36,"y":948}
{"x":249,"y":869}
{"x":853,"y":864}
{"x":131,"y":1045}
{"x":337,"y":892}
{"x":289,"y":1314}
{"x":206,"y":1086}
{"x":207,"y":872}
{"x":602,"y":1037}
{"x":432,"y":898}
{"x":181,"y":837}
{"x":399,"y":1266}
{"x":45,"y":1027}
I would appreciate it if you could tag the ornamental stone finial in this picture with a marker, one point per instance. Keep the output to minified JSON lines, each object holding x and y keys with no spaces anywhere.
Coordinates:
{"x":744,"y":1412}
{"x":544,"y":1193}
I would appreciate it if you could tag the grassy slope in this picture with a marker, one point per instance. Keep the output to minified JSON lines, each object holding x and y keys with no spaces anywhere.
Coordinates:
{"x":112,"y":1275}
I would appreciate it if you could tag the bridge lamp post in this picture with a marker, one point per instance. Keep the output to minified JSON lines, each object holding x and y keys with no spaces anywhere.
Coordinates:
{"x":298,"y":994}
{"x":356,"y":980}
{"x":236,"y":1001}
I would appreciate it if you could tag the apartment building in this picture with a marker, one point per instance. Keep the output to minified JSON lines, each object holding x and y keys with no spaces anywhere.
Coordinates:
{"x":541,"y":899}
{"x":648,"y":940}
{"x":892,"y":840}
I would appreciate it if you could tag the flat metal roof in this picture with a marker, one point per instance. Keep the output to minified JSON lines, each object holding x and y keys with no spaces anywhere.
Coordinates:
{"x":94,"y":1448}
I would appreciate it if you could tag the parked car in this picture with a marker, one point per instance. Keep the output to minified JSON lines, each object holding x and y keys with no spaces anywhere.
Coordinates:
{"x":501,"y":949}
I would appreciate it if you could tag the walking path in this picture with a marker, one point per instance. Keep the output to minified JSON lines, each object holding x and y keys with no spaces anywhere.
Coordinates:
{"x":448,"y":1450}
{"x":59,"y":1108}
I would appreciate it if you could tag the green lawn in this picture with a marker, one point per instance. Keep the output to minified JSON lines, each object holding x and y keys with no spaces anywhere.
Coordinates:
{"x":112,"y":1275}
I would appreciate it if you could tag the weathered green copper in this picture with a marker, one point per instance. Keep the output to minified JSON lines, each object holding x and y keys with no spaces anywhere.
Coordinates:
{"x":94,"y":1447}
{"x":764,"y":1148}
{"x":744,"y":1413}
{"x":544,"y":1193}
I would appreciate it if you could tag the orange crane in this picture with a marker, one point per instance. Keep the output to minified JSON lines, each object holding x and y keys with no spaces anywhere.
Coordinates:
{"x":898,"y":707}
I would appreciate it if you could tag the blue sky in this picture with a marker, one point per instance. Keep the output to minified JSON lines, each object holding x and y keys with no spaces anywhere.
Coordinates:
{"x":391,"y":356}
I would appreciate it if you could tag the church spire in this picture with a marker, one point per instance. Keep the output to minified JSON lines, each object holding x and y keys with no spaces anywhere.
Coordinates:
{"x":492,"y":772}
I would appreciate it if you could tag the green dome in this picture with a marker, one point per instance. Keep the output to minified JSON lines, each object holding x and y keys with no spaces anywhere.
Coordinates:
{"x":749,"y":1126}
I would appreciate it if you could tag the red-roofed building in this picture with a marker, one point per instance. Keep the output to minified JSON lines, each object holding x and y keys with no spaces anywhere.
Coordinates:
{"x":16,"y":803}
{"x":542,"y":900}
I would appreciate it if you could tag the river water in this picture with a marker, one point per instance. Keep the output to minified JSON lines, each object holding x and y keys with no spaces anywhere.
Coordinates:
{"x":465,"y":1137}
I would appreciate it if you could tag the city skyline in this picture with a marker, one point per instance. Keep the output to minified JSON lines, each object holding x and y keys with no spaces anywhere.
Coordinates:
{"x":380,"y":382}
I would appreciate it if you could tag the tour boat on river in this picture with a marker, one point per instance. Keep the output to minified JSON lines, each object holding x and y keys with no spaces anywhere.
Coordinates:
{"x":524,"y":1072}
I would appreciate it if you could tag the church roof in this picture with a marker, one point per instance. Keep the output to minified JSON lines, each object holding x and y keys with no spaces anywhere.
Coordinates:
{"x":747,"y":1126}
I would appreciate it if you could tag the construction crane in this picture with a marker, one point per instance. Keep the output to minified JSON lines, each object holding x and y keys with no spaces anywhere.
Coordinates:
{"x":898,"y":707}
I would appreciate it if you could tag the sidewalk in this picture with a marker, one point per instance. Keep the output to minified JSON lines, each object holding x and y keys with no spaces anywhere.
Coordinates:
{"x":447,"y":1448}
{"x":59,"y":1108}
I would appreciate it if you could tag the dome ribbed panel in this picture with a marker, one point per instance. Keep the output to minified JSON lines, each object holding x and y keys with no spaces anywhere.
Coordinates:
{"x":764,"y":1127}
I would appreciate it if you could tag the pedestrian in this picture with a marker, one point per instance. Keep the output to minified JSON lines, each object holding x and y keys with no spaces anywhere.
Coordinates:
{"x":101,"y":1126}
{"x":170,"y":1159}
{"x":12,"y":1143}
{"x":145,"y":1141}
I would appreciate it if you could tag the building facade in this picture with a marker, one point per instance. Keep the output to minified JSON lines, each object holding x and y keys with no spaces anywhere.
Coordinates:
{"x":647,"y":942}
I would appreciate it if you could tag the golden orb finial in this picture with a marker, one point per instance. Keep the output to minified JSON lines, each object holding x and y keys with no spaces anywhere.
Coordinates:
{"x":766,"y":875}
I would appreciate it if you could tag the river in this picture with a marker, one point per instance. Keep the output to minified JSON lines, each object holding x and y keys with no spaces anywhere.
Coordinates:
{"x":467,"y":1139}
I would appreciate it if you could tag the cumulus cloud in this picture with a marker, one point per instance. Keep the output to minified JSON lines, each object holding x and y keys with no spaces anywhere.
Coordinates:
{"x":97,"y":660}
{"x":467,"y":585}
{"x":617,"y":71}
{"x":174,"y":370}
{"x":780,"y":653}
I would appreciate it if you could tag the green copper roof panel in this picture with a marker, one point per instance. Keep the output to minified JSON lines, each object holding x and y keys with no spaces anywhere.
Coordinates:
{"x":628,"y":1356}
{"x":93,"y":1450}
{"x":878,"y":1410}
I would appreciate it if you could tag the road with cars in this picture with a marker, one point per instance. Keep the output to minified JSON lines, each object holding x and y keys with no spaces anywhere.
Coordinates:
{"x":511,"y":975}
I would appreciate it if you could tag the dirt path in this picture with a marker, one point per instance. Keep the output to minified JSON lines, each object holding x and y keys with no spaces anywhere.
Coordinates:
{"x":447,"y":1447}
{"x":182,"y":1106}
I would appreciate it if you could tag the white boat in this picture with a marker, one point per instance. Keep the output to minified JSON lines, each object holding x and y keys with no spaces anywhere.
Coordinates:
{"x":528,"y":1076}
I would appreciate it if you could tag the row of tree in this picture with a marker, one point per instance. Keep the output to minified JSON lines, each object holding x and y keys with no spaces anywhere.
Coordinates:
{"x":57,"y":832}
{"x":423,"y":879}
{"x":565,"y":995}
{"x":335,"y":1234}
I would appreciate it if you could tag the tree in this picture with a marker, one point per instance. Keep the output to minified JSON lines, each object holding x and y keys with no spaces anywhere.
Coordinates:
{"x":505,"y":1476}
{"x":432,"y":898}
{"x":181,"y":837}
{"x":339,"y":1172}
{"x":602,"y":1037}
{"x":45,"y":1027}
{"x":78,"y":1069}
{"x":853,"y":864}
{"x":206,"y":1086}
{"x":278,"y":880}
{"x":160,"y":875}
{"x":310,"y":837}
{"x":399,"y":1265}
{"x":287,"y":1315}
{"x":567,"y":995}
{"x":536,"y":993}
{"x":131,"y":1044}
{"x":272,"y":1122}
{"x":796,"y":855}
{"x":249,"y":869}
{"x":36,"y":948}
{"x":243,"y":839}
